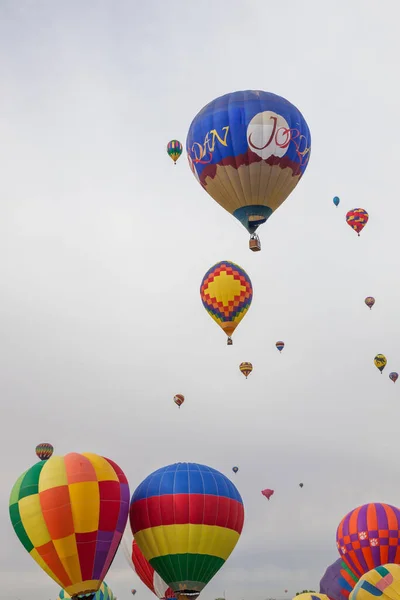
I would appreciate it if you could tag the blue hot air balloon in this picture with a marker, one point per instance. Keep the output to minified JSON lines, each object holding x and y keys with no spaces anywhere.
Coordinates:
{"x":249,"y":150}
{"x":336,"y":201}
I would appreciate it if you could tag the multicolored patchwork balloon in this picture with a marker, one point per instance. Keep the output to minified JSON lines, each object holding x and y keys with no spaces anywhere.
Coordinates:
{"x":174,"y":149}
{"x":186,"y":519}
{"x":70,"y":512}
{"x":381,"y":582}
{"x":44,"y":451}
{"x":246,"y":368}
{"x":333,"y":584}
{"x":226,"y":292}
{"x":369,"y":301}
{"x":248,"y":150}
{"x":369,"y":536}
{"x":104,"y":593}
{"x":357,"y":218}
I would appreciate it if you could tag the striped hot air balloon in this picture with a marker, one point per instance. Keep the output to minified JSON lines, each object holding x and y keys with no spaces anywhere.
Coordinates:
{"x":186,"y":519}
{"x":246,"y":368}
{"x":174,"y":150}
{"x":69,"y":513}
{"x":44,"y":451}
{"x":280,"y":345}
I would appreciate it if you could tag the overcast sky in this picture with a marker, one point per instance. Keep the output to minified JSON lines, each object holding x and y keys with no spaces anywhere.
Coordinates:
{"x":104,"y":243}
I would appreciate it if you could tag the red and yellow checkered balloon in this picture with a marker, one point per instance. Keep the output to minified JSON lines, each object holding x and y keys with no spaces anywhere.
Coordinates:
{"x":70,"y":512}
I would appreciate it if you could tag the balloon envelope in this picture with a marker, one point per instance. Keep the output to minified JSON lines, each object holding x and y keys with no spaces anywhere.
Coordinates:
{"x":369,"y":536}
{"x":246,"y":368}
{"x":357,"y":219}
{"x":249,"y":149}
{"x":382,"y":582}
{"x":104,"y":593}
{"x":235,"y":469}
{"x":333,"y":584}
{"x":187,"y":519}
{"x":280,"y":345}
{"x":69,"y":512}
{"x":179,"y":399}
{"x":336,"y":201}
{"x":369,"y":301}
{"x":226,"y":292}
{"x":311,"y":596}
{"x":174,"y":149}
{"x":267,"y":493}
{"x":393,"y":376}
{"x":380,"y":362}
{"x":44,"y":451}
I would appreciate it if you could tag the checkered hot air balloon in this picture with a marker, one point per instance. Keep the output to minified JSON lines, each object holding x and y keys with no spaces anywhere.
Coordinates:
{"x":226,"y":293}
{"x":357,"y":218}
{"x":174,"y":150}
{"x":186,"y":519}
{"x":104,"y":593}
{"x":369,"y":536}
{"x":70,"y":512}
{"x":44,"y":451}
{"x":143,"y":568}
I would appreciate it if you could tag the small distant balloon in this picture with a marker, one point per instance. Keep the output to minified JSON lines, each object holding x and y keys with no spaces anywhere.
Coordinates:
{"x":393,"y":376}
{"x":380,"y":362}
{"x":44,"y":451}
{"x":369,"y":301}
{"x":174,"y":149}
{"x":133,"y":592}
{"x":280,"y":345}
{"x":301,"y":484}
{"x":267,"y":493}
{"x":235,"y":469}
{"x":286,"y":591}
{"x":246,"y":368}
{"x":336,"y":201}
{"x":179,"y":399}
{"x":357,"y":218}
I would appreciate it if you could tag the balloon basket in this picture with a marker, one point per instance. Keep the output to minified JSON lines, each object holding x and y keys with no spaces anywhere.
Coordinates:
{"x":229,"y":341}
{"x":255,"y":244}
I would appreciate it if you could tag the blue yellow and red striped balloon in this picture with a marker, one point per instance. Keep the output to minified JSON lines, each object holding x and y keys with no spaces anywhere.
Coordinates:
{"x":226,"y":292}
{"x":186,"y":519}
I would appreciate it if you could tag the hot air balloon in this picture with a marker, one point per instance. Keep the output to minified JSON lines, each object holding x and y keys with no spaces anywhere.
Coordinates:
{"x":357,"y":219}
{"x":179,"y":399}
{"x":174,"y":149}
{"x":369,"y":301}
{"x":246,"y":368}
{"x":133,"y":591}
{"x":69,"y":512}
{"x":393,"y":376}
{"x":267,"y":493}
{"x":280,"y":346}
{"x":44,"y":451}
{"x":336,"y":201}
{"x":301,"y":485}
{"x":143,"y":568}
{"x":311,"y":596}
{"x":235,"y":469}
{"x":369,"y":536}
{"x":186,"y":519}
{"x":380,"y":362}
{"x":104,"y":593}
{"x":382,"y":582}
{"x":333,"y":584}
{"x":249,"y":150}
{"x":226,"y":293}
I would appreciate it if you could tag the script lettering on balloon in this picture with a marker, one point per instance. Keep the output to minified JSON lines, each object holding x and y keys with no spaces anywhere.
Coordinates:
{"x":203,"y":153}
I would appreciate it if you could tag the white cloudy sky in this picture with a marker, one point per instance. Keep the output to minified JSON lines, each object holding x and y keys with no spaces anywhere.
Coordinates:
{"x":104,"y":243}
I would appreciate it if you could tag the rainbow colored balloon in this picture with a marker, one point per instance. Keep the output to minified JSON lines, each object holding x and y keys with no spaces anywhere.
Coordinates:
{"x":357,"y":219}
{"x":186,"y":519}
{"x":104,"y":593}
{"x":248,"y":150}
{"x":382,"y":582}
{"x":44,"y":451}
{"x":226,"y":292}
{"x":69,"y":513}
{"x":369,"y":536}
{"x":174,"y":150}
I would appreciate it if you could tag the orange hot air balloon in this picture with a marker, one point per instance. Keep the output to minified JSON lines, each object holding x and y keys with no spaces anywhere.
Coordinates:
{"x":69,"y":512}
{"x":246,"y":368}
